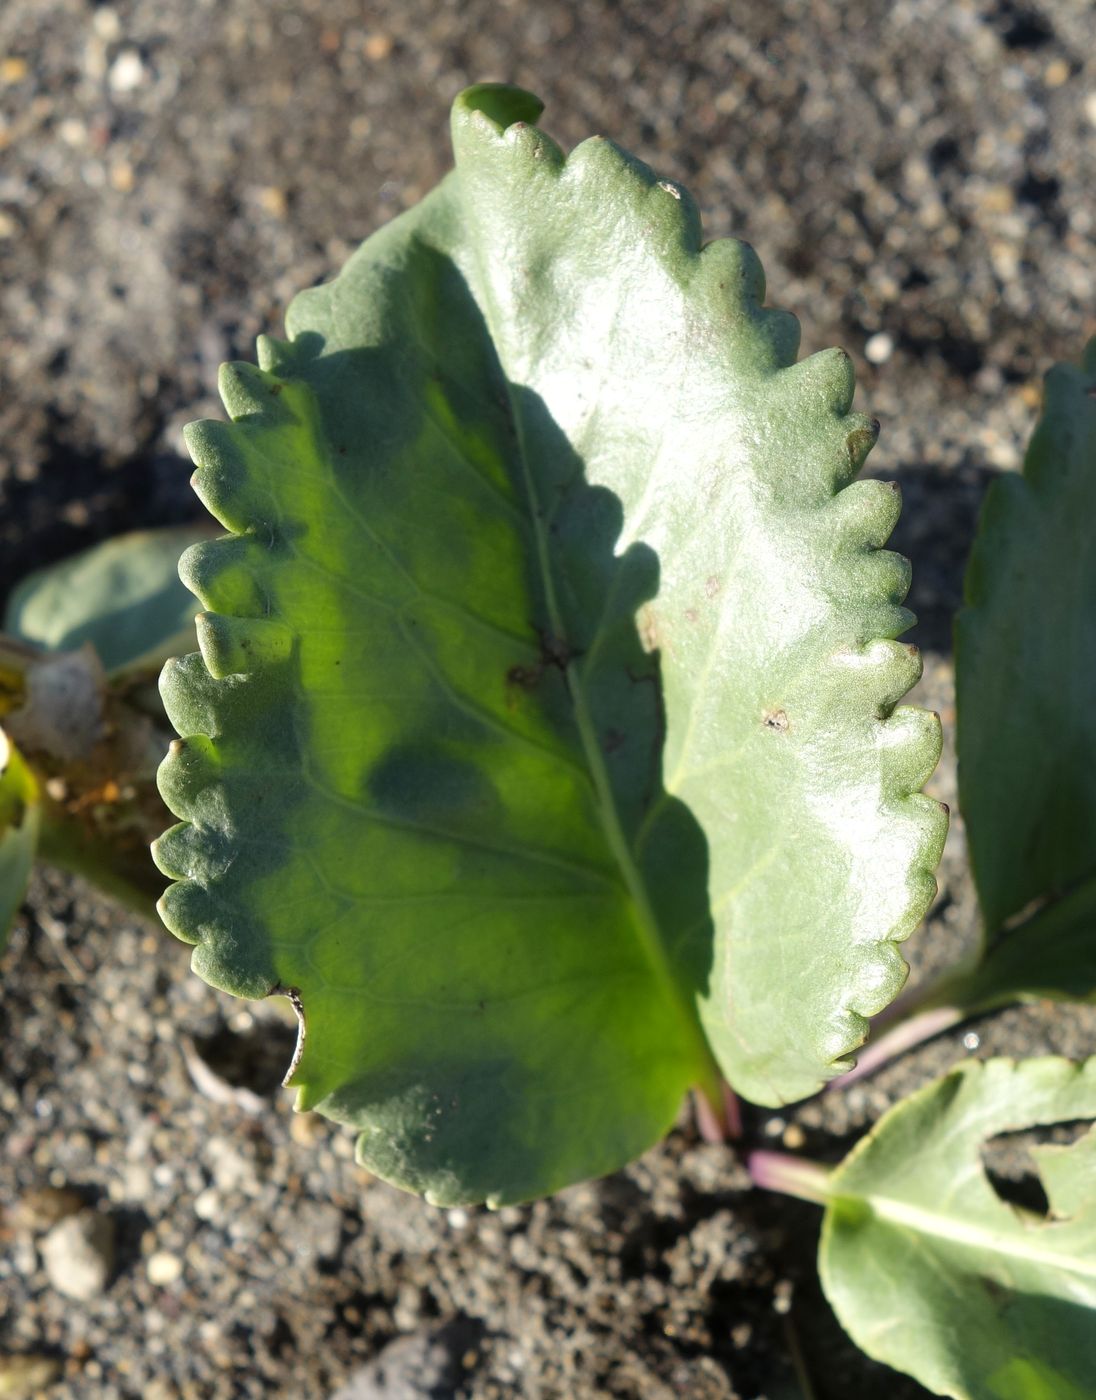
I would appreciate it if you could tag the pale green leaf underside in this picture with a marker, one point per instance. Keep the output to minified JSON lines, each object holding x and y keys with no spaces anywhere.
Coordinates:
{"x":931,"y":1272}
{"x":19,"y":823}
{"x":123,"y":596}
{"x":529,"y":413}
{"x":1026,"y":682}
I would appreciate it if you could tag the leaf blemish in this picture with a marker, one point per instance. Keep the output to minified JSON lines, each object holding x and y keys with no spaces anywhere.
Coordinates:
{"x":775,"y":719}
{"x":711,"y":585}
{"x":524,"y":677}
{"x":294,"y":996}
{"x":648,"y":630}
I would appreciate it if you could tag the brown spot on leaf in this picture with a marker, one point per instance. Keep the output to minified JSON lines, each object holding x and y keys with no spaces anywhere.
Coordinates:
{"x":712,"y":585}
{"x":555,"y":651}
{"x":648,"y":629}
{"x":859,"y":443}
{"x":691,"y":614}
{"x":524,"y":677}
{"x":775,"y":719}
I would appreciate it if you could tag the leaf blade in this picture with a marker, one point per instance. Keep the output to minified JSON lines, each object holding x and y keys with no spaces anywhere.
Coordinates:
{"x":468,"y":1084}
{"x":421,"y":663}
{"x":124,"y":596}
{"x":930,"y":1272}
{"x":1025,"y":672}
{"x":763,"y":584}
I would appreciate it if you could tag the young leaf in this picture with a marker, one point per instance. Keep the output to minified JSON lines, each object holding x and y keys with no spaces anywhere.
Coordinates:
{"x":422,"y":764}
{"x":19,"y":818}
{"x":931,"y":1272}
{"x":1025,"y":680}
{"x":124,"y":596}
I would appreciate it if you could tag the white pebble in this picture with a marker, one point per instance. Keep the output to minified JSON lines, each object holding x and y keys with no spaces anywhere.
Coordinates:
{"x":79,"y":1255}
{"x":879,"y":349}
{"x":207,"y":1204}
{"x":164,"y":1268}
{"x":107,"y":24}
{"x":127,"y":72}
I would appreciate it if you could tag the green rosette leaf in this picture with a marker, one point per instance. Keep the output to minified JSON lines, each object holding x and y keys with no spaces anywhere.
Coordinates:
{"x":931,"y":1272}
{"x":1026,"y":685}
{"x":543,"y":739}
{"x":124,"y":596}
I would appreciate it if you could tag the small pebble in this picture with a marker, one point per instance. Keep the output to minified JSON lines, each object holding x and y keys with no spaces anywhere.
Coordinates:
{"x":207,"y":1204}
{"x":107,"y":24}
{"x":794,"y":1137}
{"x":72,"y":131}
{"x":378,"y":47}
{"x":127,"y":72}
{"x":25,"y":1375}
{"x":879,"y":349}
{"x":164,"y":1268}
{"x":79,"y":1255}
{"x":122,"y":177}
{"x":273,"y":201}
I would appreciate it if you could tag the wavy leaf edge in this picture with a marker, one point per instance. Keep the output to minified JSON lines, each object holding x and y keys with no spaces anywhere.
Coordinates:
{"x":243,"y":648}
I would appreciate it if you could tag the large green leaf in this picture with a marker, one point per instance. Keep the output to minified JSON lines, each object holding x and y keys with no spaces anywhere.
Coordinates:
{"x":19,"y":821}
{"x":534,"y":444}
{"x":1026,"y":687}
{"x":931,"y":1272}
{"x":124,"y":596}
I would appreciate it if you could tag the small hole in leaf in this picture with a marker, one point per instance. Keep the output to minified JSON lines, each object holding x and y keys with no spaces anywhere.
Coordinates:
{"x":1010,"y":1167}
{"x":1024,"y":1192}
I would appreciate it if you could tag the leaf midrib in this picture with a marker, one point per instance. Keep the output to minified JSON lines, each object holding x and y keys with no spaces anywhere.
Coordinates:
{"x":709,"y":1077}
{"x":983,"y":1238}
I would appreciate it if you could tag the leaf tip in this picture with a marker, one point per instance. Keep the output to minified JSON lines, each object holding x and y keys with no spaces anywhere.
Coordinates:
{"x":499,"y":104}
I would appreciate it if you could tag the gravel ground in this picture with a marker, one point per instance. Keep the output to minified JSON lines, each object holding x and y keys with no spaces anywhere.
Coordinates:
{"x":917,"y":178}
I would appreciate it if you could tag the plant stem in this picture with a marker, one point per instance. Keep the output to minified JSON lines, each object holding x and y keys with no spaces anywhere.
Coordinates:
{"x":714,"y":1127}
{"x":902,"y":1036}
{"x":791,"y":1176}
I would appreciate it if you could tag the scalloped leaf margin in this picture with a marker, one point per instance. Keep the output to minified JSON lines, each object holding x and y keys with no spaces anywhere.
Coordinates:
{"x":847,"y":617}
